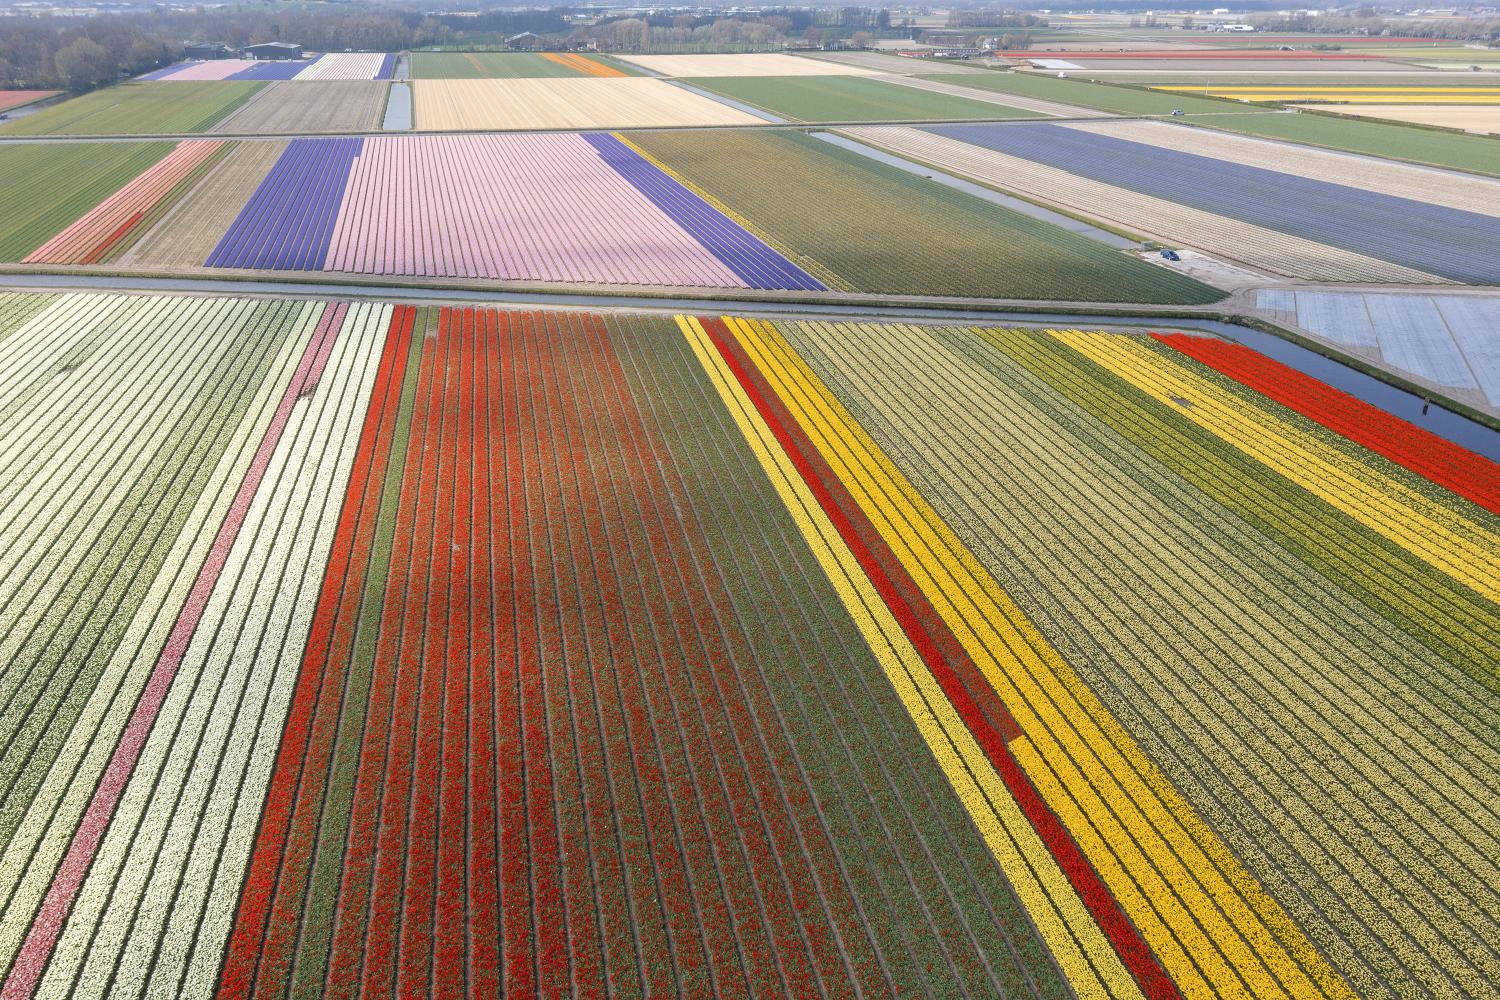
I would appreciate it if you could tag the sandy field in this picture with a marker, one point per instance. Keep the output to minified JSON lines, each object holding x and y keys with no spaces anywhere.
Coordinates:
{"x":1481,"y":118}
{"x":584,"y":102}
{"x":757,"y":64}
{"x":879,"y":62}
{"x":314,"y":106}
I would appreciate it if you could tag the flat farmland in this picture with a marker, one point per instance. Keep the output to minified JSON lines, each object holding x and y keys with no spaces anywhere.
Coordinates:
{"x":1403,"y":231}
{"x":883,"y":230}
{"x":886,"y":63}
{"x":510,"y":65}
{"x":139,"y":109}
{"x":1213,"y":80}
{"x":1101,"y":97}
{"x":1471,"y":119}
{"x":188,"y":234}
{"x":978,"y":422}
{"x":114,"y":224}
{"x":349,"y":66}
{"x":772,"y":64}
{"x":572,"y":209}
{"x":350,"y":548}
{"x":852,"y":99}
{"x":1461,"y":191}
{"x":1347,"y":93}
{"x":1472,"y":153}
{"x":352,"y":648}
{"x":1159,"y":218}
{"x":1090,"y":62}
{"x":219,"y":69}
{"x":313,"y":106}
{"x":636,"y":102}
{"x":34,"y":207}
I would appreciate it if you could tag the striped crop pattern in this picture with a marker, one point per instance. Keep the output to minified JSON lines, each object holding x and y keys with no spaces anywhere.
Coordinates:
{"x":350,"y":649}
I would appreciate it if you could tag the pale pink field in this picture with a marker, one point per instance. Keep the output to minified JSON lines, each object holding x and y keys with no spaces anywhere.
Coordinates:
{"x":517,"y":207}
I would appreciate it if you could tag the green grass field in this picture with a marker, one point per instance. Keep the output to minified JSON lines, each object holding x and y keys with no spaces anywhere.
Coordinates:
{"x":45,"y":187}
{"x":887,"y":231}
{"x":1122,"y":100}
{"x":495,"y":66}
{"x":139,"y":109}
{"x":1476,"y":153}
{"x":851,"y":99}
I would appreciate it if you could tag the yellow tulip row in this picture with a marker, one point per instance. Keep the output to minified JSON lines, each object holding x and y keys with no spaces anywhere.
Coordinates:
{"x":1438,"y":535}
{"x":1075,"y":939}
{"x":1215,"y":930}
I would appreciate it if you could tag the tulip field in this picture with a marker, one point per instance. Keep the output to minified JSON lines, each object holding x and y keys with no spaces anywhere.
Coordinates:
{"x":575,"y":102}
{"x":629,"y":209}
{"x":555,"y":208}
{"x":332,"y":66}
{"x":138,"y":109}
{"x":511,"y":65}
{"x":289,"y":107}
{"x":34,"y":208}
{"x":16,"y":98}
{"x":102,"y":233}
{"x":357,"y":648}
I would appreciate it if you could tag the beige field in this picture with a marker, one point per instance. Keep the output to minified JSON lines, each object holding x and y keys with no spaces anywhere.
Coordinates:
{"x":1426,"y":184}
{"x":1263,"y":249}
{"x":585,"y":102}
{"x":994,"y":97}
{"x":1371,"y":94}
{"x":312,"y":106}
{"x":186,"y":235}
{"x":880,"y":62}
{"x":1485,"y":118}
{"x":768,"y":64}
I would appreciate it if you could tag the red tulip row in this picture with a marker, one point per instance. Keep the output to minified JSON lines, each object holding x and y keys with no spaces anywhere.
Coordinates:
{"x":959,"y":677}
{"x":1468,"y":474}
{"x":573,"y":772}
{"x":271,"y":902}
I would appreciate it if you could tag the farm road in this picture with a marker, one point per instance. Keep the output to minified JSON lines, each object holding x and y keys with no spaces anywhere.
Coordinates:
{"x":1407,"y":405}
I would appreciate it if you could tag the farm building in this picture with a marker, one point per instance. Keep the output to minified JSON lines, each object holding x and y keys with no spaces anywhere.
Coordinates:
{"x":209,"y":50}
{"x":274,"y":50}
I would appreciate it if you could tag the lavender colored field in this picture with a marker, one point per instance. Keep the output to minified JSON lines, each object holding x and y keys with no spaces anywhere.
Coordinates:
{"x":1403,"y":231}
{"x":286,"y":223}
{"x":212,"y":69}
{"x":555,"y":208}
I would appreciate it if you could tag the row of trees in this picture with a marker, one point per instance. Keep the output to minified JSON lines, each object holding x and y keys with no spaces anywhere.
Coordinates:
{"x":1366,"y":21}
{"x":79,"y":53}
{"x":84,"y":52}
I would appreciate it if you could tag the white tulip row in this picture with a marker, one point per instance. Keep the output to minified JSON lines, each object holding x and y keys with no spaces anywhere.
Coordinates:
{"x":156,"y":908}
{"x":31,"y":855}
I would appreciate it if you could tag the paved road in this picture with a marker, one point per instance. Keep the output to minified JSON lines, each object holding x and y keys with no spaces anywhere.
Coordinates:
{"x":1410,"y":407}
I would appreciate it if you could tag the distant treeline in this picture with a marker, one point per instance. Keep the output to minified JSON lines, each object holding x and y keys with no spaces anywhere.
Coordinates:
{"x":83,"y":52}
{"x":78,"y":53}
{"x":1471,"y":29}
